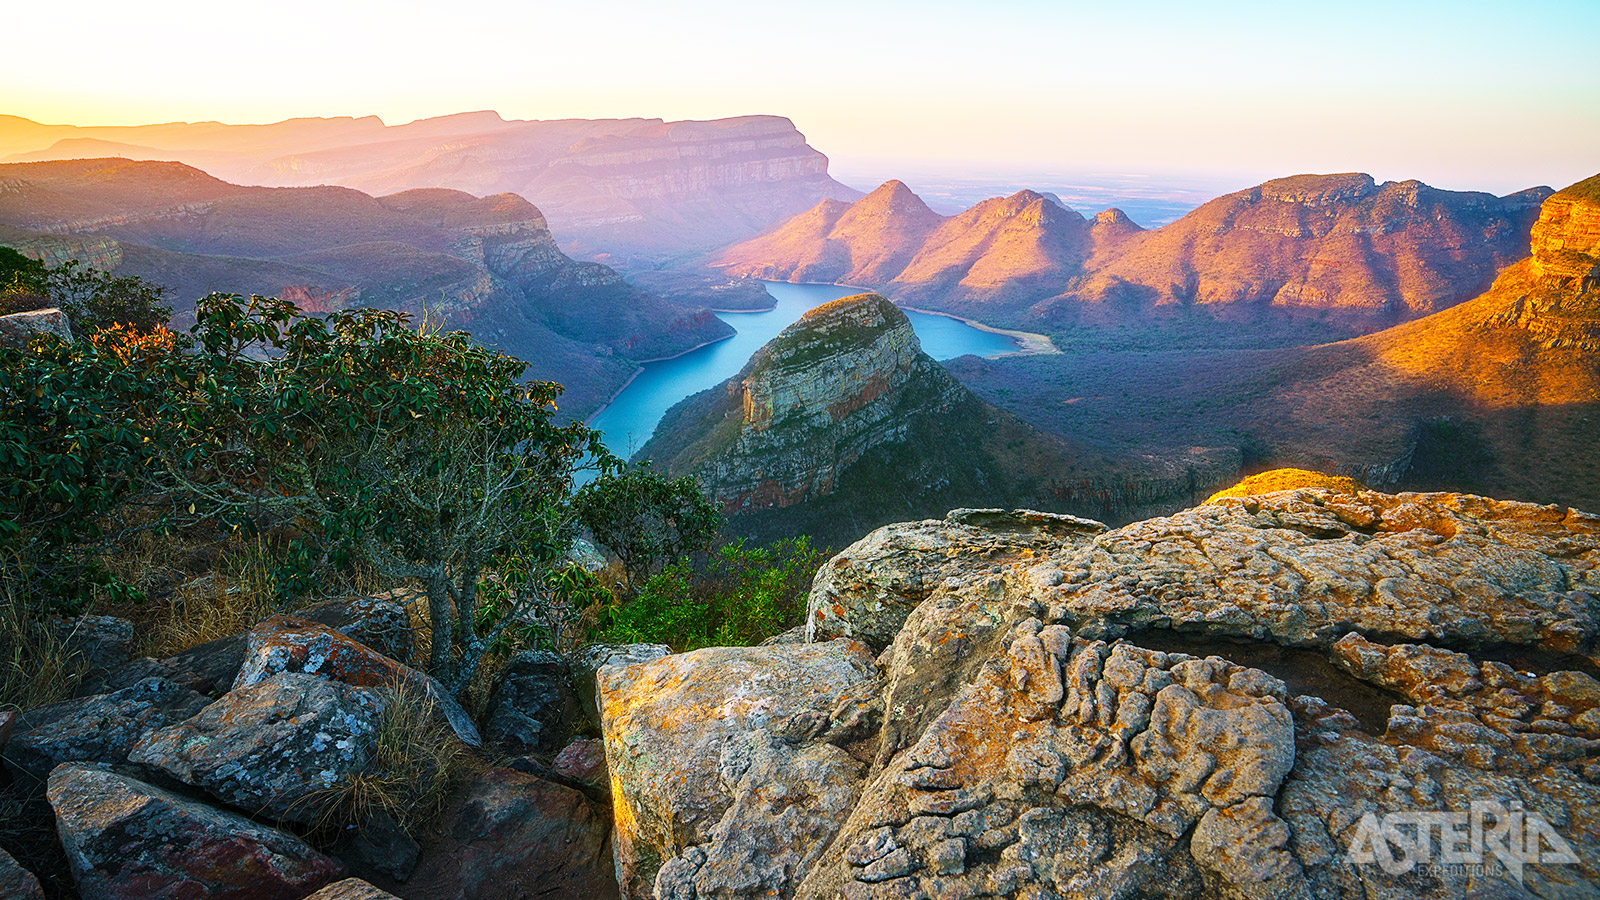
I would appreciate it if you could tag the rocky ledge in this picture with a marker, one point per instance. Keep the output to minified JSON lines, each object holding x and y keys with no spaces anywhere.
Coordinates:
{"x":1263,"y":697}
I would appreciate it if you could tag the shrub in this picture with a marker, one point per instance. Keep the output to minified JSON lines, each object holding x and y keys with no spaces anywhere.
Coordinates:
{"x":740,"y":596}
{"x":647,"y":519}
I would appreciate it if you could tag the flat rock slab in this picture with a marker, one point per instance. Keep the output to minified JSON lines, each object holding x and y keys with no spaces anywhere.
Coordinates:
{"x":126,"y":840}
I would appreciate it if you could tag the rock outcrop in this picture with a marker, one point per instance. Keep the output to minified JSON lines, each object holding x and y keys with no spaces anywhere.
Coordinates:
{"x":1233,"y":702}
{"x":101,"y":728}
{"x":127,"y":840}
{"x":1555,"y":293}
{"x":17,"y":329}
{"x":841,"y":422}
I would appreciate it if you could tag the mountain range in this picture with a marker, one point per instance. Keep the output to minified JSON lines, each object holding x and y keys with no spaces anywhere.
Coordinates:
{"x":489,"y":265}
{"x":1498,"y":395}
{"x":1300,"y":259}
{"x":634,"y":192}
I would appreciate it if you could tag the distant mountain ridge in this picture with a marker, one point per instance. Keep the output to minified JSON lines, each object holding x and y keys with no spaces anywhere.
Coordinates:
{"x":634,"y":190}
{"x":1340,"y":248}
{"x":489,"y":265}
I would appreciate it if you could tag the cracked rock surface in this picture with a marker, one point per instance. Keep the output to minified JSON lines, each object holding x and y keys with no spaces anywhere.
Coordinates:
{"x":1028,"y":729}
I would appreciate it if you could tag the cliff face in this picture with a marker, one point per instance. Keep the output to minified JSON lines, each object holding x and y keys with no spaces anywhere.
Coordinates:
{"x":489,"y":265}
{"x":630,"y":190}
{"x":842,"y":423}
{"x":1340,"y":250}
{"x":1555,"y":294}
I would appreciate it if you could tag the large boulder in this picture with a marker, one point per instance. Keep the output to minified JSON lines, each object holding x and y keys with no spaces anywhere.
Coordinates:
{"x":510,"y":835}
{"x":867,"y":591}
{"x":99,"y":729}
{"x":277,"y":748}
{"x":532,"y":708}
{"x":688,"y":735}
{"x":17,"y":883}
{"x":291,"y":644}
{"x":1261,"y":698}
{"x":17,"y":329}
{"x":126,"y":840}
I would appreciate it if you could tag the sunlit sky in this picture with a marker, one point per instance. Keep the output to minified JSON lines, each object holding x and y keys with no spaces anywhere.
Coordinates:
{"x":1462,"y":94}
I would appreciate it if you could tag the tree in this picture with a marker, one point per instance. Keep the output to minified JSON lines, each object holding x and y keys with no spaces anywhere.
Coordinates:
{"x":647,"y":519}
{"x":418,"y":452}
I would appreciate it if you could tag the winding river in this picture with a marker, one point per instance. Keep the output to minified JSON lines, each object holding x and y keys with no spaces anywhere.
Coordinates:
{"x":631,"y":417}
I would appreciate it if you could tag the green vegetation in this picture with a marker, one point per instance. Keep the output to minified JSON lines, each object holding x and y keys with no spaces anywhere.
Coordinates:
{"x":647,"y":519}
{"x":739,"y":595}
{"x":91,"y":298}
{"x":268,"y":457}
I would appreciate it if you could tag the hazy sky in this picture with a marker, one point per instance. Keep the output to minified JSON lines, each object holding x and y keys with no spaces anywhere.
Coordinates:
{"x":1462,"y":94}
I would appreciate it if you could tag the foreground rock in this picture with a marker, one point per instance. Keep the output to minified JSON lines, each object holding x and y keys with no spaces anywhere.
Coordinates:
{"x":532,"y":708}
{"x":585,"y":665}
{"x":17,"y":883}
{"x":126,"y":840}
{"x":277,"y":748}
{"x":714,"y":755}
{"x":351,"y":889}
{"x":291,"y":644}
{"x":17,"y":329}
{"x":101,"y":728}
{"x":511,"y":835}
{"x":1257,"y":698}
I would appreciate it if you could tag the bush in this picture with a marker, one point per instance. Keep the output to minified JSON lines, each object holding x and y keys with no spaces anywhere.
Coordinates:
{"x":740,"y":596}
{"x":647,"y":519}
{"x":91,"y":298}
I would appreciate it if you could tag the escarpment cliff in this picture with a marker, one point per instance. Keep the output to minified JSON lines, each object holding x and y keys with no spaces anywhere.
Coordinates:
{"x":1257,"y":698}
{"x":489,"y":265}
{"x":631,"y":191}
{"x":842,"y":422}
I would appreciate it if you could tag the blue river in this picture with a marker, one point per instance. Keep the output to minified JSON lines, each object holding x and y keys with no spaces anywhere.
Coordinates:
{"x":631,"y":417}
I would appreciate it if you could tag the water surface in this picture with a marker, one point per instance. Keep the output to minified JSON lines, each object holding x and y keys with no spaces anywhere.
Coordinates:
{"x":630,"y":418}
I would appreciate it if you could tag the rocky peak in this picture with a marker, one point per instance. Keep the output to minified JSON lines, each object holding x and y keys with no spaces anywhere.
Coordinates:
{"x":1566,"y":239}
{"x":1318,"y":190}
{"x":1115,"y":221}
{"x":893,"y":198}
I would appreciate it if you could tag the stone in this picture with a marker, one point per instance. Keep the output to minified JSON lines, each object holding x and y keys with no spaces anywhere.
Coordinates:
{"x":211,"y":668}
{"x":290,"y":644}
{"x":589,"y":660}
{"x":507,"y":834}
{"x":669,"y":725}
{"x":98,"y":729}
{"x":532,"y":707}
{"x":276,"y":748}
{"x":351,"y":889}
{"x":583,"y":760}
{"x":1151,"y":711}
{"x":17,"y":329}
{"x":17,"y":883}
{"x":867,"y":591}
{"x":8,"y":721}
{"x":126,"y":840}
{"x":381,"y":845}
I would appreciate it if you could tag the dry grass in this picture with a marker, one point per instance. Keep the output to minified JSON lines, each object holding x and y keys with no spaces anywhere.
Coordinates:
{"x":239,"y":593}
{"x":416,"y":762}
{"x":35,"y":666}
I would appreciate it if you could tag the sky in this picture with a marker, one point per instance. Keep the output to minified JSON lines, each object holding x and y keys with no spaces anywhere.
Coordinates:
{"x":1464,"y":94}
